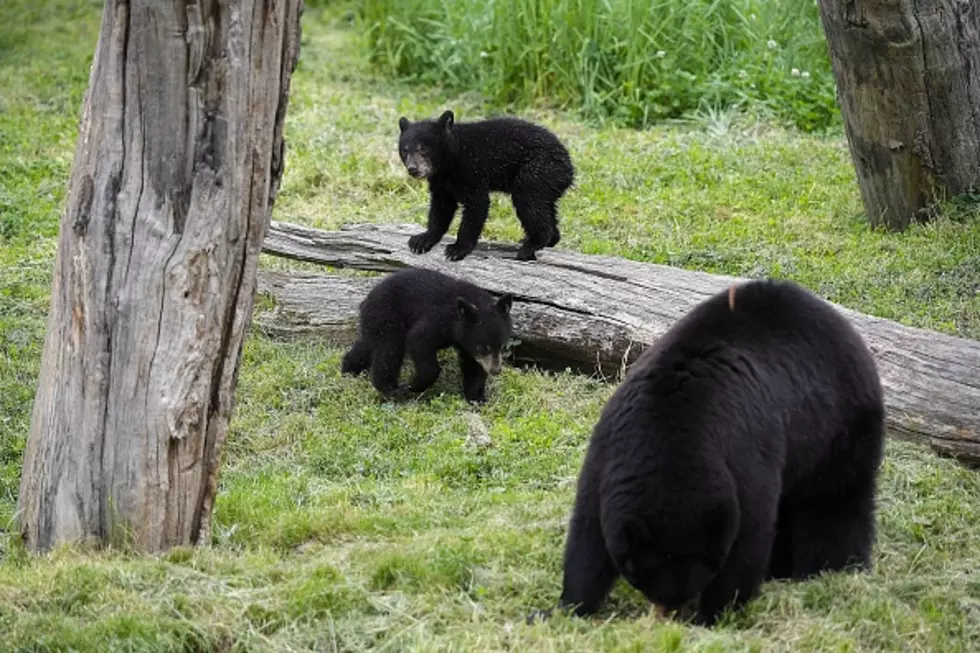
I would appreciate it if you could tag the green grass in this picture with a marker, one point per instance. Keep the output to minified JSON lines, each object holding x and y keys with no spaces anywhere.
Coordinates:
{"x":345,"y":524}
{"x":634,"y":62}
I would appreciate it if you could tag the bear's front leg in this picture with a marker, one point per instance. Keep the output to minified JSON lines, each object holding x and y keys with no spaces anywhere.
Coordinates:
{"x":474,"y":378}
{"x":589,"y":570}
{"x":745,"y":568}
{"x":424,"y":356}
{"x":442,"y":208}
{"x":475,"y":211}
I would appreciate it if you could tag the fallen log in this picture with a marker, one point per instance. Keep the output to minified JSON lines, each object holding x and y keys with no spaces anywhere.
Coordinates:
{"x":597,"y":314}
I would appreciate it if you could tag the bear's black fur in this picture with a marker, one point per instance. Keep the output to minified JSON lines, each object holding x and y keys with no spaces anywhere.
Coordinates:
{"x":420,"y":312}
{"x":744,"y":445}
{"x":465,"y":161}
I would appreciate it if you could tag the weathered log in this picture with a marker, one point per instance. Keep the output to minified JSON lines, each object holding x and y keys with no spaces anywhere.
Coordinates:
{"x":595,"y":313}
{"x":177,"y":164}
{"x":908,"y":79}
{"x":310,"y":305}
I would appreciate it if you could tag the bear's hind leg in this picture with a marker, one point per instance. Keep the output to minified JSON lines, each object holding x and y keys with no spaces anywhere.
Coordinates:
{"x":534,"y":196}
{"x":533,"y":213}
{"x":555,"y":232}
{"x":832,"y":537}
{"x":831,"y":520}
{"x":386,"y":365}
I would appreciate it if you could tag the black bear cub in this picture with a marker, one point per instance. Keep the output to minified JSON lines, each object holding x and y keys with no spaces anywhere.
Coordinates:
{"x":420,"y":312}
{"x":742,"y":446}
{"x":465,"y":161}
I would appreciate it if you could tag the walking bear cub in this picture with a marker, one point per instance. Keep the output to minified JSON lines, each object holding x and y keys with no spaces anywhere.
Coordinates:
{"x":421,"y":312}
{"x":743,"y":446}
{"x":465,"y":161}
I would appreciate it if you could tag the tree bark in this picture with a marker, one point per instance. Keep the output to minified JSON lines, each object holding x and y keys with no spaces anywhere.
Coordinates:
{"x":597,"y":314}
{"x":908,"y":80}
{"x":177,"y":165}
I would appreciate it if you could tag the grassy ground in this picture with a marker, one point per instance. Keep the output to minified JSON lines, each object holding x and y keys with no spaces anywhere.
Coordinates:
{"x":345,"y":524}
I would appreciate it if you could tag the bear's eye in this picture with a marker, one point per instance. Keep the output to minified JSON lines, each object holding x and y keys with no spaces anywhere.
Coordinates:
{"x":483,"y":350}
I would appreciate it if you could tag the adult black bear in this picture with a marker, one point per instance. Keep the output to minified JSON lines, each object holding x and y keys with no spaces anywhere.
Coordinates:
{"x":743,"y":445}
{"x":465,"y":161}
{"x":423,"y":311}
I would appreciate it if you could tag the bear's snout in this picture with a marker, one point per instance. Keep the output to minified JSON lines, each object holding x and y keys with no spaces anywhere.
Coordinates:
{"x":418,"y":166}
{"x":490,"y":363}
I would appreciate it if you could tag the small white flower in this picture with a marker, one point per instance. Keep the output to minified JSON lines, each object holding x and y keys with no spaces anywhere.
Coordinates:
{"x":661,"y":54}
{"x":752,"y":17}
{"x":742,"y":74}
{"x":771,"y":44}
{"x":484,"y":54}
{"x":805,"y":74}
{"x":795,"y":72}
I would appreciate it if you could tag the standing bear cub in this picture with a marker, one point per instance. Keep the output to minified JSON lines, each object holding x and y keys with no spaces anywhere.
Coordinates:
{"x":742,"y":446}
{"x":465,"y":161}
{"x":421,"y":312}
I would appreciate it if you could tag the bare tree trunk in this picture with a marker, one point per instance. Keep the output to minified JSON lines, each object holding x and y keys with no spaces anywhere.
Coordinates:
{"x":178,"y":162}
{"x":908,"y":78}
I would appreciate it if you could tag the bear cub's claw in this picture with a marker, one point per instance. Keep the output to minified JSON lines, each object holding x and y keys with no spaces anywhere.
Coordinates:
{"x":457,"y":252}
{"x":526,"y":254}
{"x":422,"y":243}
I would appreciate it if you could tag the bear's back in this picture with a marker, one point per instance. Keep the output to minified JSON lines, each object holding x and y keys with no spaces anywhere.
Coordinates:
{"x":767,"y":380}
{"x":495,"y":150}
{"x":415,"y":293}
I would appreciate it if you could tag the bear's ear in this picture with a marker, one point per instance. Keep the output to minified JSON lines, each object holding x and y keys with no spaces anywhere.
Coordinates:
{"x":504,"y":303}
{"x":403,"y":123}
{"x":465,"y":309}
{"x":446,"y":120}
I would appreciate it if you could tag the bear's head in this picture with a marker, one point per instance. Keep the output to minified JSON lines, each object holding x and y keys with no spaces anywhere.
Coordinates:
{"x":424,"y":145}
{"x":483,"y":331}
{"x":672,"y":561}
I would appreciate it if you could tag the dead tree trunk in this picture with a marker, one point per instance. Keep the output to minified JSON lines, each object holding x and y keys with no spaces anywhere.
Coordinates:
{"x":178,"y":162}
{"x":908,"y":79}
{"x":597,"y":313}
